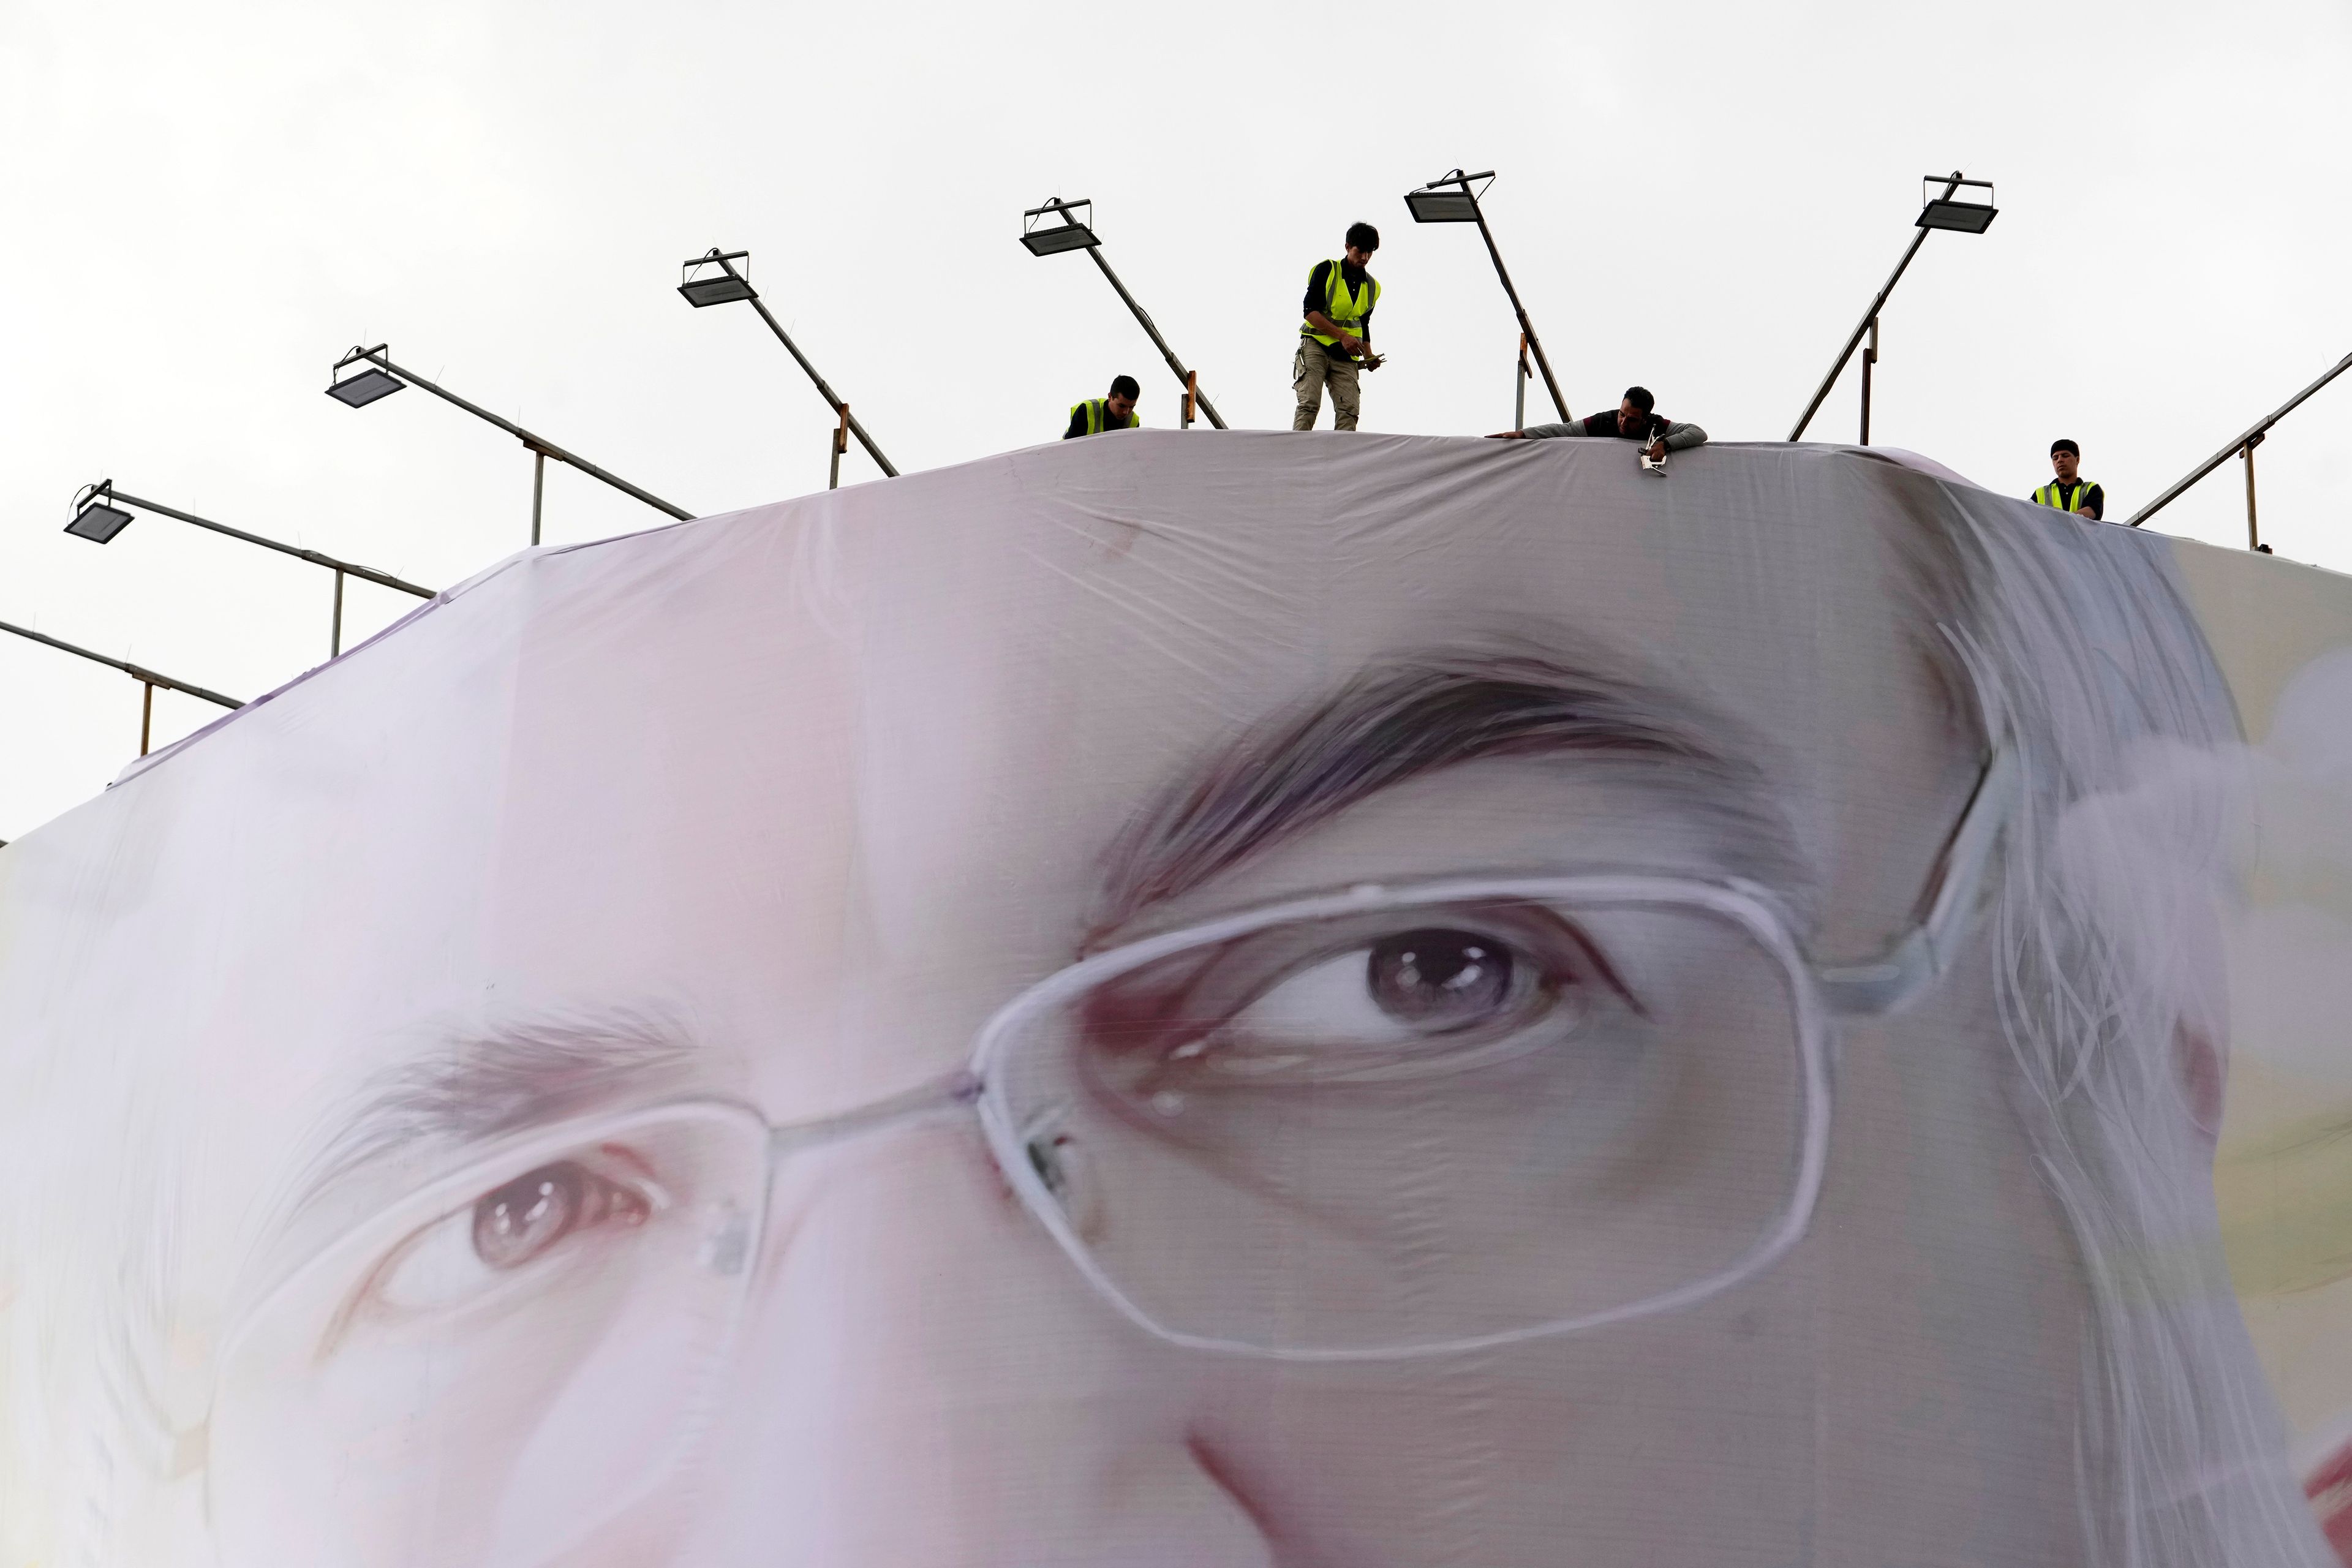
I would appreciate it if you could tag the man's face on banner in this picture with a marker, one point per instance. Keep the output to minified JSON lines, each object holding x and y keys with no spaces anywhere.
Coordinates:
{"x":545,"y":1286}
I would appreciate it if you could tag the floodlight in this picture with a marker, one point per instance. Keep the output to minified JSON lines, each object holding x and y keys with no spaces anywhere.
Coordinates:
{"x":1053,"y":241}
{"x":1451,"y":198}
{"x":721,"y":277}
{"x":1441,"y":207}
{"x":98,"y":521}
{"x":359,"y":391}
{"x":382,"y":378}
{"x":1960,"y":217}
{"x":1076,"y":233}
{"x":1937,"y":209}
{"x":713,"y":279}
{"x":1447,"y":198}
{"x":1072,"y":234}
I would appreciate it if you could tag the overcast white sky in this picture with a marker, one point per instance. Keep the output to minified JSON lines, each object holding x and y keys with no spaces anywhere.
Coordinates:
{"x":206,"y":205}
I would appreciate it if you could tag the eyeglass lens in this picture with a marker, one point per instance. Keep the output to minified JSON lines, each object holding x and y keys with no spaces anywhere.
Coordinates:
{"x":1419,"y":1125}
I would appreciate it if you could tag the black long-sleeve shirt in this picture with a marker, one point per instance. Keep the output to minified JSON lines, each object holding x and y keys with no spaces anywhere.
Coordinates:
{"x":1677,"y":435}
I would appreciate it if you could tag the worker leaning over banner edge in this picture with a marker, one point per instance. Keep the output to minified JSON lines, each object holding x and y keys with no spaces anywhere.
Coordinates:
{"x":1635,"y":419}
{"x":1337,"y":338}
{"x":2070,"y":491}
{"x":1116,"y":412}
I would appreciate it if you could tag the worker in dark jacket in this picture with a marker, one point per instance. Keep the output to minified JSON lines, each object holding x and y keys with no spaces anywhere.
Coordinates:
{"x":2071,"y":492}
{"x":1097,"y":414}
{"x":1635,"y":419}
{"x":1337,"y":338}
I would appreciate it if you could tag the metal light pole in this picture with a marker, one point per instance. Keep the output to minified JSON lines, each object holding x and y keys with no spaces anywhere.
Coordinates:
{"x":1433,"y":204}
{"x":98,"y":520}
{"x":1869,"y":360}
{"x":1076,"y":235}
{"x":731,"y":284}
{"x":382,"y":378}
{"x":2254,"y":532}
{"x":2242,"y":447}
{"x":1940,"y":212}
{"x":147,"y":678}
{"x":1519,"y":387}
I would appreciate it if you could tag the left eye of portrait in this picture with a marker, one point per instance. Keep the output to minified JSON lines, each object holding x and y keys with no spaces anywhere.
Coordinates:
{"x":532,"y":1212}
{"x":449,"y":1345}
{"x":1440,"y":978}
{"x":505,"y":1231}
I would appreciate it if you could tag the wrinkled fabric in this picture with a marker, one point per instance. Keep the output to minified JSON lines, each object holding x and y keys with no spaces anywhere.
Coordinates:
{"x":1216,"y":997}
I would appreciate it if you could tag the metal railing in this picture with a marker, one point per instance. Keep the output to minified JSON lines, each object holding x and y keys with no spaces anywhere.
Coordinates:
{"x":149,"y":679}
{"x":104,"y":489}
{"x":2247,"y":440}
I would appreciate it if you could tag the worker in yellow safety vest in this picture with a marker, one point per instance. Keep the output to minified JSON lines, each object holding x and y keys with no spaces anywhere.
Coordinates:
{"x":1097,"y":414}
{"x":2070,"y":491}
{"x":1336,"y":342}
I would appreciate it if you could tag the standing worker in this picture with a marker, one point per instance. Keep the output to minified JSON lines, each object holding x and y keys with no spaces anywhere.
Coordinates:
{"x":1097,"y":414}
{"x":1336,"y":338}
{"x":2072,"y":492}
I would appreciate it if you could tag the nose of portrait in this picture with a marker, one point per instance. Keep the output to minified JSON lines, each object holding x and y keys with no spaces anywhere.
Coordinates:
{"x":924,"y":1380}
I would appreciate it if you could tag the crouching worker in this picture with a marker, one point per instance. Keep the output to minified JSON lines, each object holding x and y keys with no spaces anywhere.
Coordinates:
{"x":1635,"y":419}
{"x":1097,"y":414}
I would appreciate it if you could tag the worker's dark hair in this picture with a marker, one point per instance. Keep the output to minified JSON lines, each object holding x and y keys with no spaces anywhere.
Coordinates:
{"x":1639,"y":396}
{"x":1363,"y":236}
{"x":1124,"y":386}
{"x":2064,"y":444}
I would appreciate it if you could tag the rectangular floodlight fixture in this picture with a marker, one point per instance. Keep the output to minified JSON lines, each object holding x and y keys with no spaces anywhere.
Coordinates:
{"x":1072,"y":233}
{"x":1447,"y":198}
{"x":1053,"y":241}
{"x":98,"y":521}
{"x":724,"y":286}
{"x":1441,"y":207}
{"x":720,"y":291}
{"x":1959,"y":217}
{"x":365,"y":388}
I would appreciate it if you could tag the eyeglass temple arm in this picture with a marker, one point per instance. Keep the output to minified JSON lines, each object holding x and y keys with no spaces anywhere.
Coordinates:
{"x":1885,"y":984}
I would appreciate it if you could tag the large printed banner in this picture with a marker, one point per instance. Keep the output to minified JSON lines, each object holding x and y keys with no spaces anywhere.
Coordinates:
{"x":1218,"y":1000}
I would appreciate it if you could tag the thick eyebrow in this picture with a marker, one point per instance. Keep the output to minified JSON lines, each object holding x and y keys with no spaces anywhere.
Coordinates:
{"x":1412,"y":718}
{"x":477,"y":1086}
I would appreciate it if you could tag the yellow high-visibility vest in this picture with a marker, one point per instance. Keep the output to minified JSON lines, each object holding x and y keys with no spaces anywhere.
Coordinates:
{"x":2065,"y":498}
{"x":1343,"y":306}
{"x":1098,"y":417}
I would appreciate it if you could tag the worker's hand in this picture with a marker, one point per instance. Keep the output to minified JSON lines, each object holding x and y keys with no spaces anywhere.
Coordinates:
{"x":1658,"y":450}
{"x":1508,"y":436}
{"x":1373,"y":361}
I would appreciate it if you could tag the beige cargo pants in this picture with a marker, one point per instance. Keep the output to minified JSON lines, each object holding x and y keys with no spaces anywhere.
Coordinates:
{"x":1308,"y":371}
